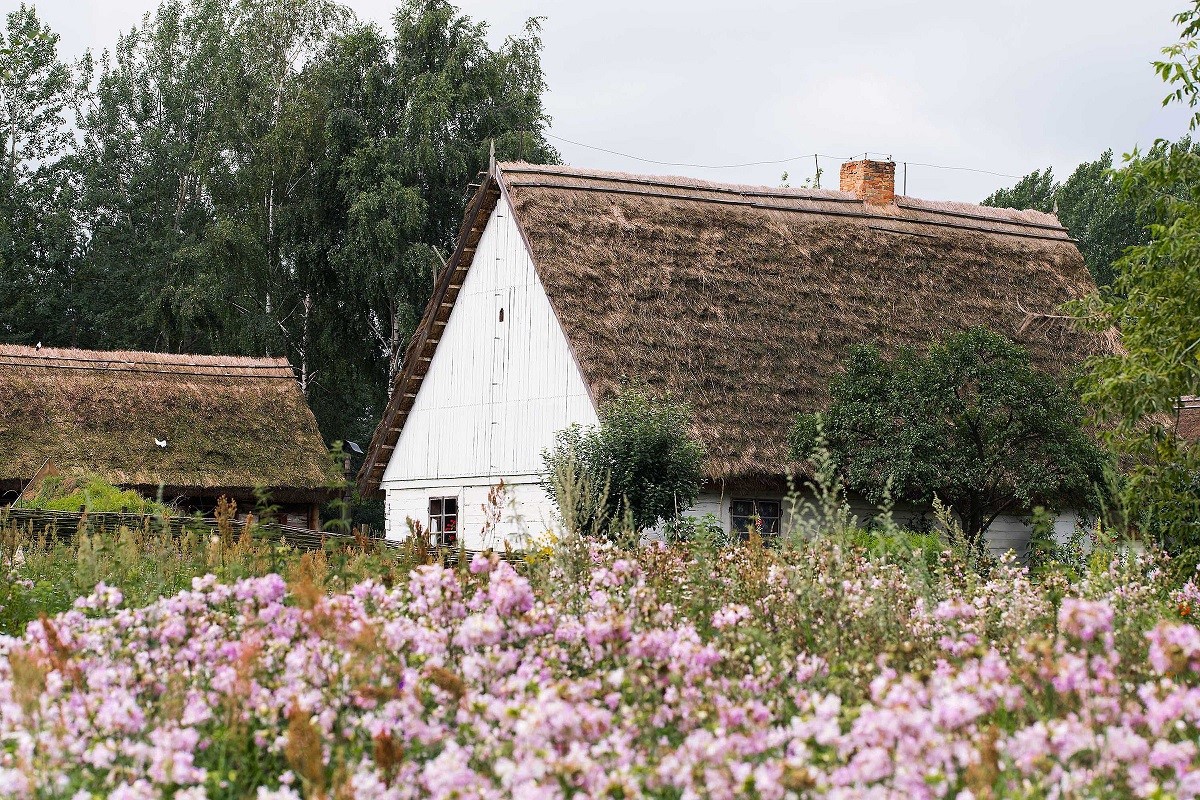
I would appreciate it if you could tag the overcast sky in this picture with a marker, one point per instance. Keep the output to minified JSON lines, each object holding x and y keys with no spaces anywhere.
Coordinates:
{"x":1006,"y":86}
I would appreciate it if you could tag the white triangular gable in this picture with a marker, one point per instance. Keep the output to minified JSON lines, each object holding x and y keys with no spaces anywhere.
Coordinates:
{"x":502,"y":381}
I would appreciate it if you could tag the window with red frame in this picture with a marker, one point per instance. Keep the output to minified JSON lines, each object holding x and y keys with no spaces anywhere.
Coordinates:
{"x":443,"y":520}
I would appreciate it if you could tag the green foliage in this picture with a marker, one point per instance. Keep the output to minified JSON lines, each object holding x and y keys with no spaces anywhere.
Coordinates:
{"x":1036,"y":191}
{"x":641,"y":462}
{"x":1154,"y":303}
{"x":971,"y":422}
{"x":703,"y":529}
{"x":1090,"y":204}
{"x":250,"y":177}
{"x":39,"y":236}
{"x":580,"y":492}
{"x":882,"y":538}
{"x":898,"y":546}
{"x":92,"y":493}
{"x":192,"y":163}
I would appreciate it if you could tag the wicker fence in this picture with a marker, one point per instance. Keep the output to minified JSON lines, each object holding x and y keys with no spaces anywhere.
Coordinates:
{"x":67,"y":523}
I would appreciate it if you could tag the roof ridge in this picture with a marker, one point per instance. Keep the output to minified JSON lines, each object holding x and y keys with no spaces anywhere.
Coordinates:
{"x":142,"y":362}
{"x":680,"y":182}
{"x":139,"y":357}
{"x":1027,"y":218}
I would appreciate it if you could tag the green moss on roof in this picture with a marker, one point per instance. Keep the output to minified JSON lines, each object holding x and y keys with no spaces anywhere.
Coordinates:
{"x":56,"y":493}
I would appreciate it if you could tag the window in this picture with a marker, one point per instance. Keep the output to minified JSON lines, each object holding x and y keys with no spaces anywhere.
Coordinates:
{"x":443,"y":521}
{"x":761,"y":514}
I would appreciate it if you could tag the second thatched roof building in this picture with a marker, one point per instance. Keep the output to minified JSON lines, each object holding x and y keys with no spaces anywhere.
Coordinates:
{"x":193,"y":427}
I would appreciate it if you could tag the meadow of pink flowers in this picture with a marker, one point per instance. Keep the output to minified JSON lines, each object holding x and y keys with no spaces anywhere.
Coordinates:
{"x":653,"y":673}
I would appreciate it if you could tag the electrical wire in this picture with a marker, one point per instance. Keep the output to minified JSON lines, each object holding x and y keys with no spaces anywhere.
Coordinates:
{"x":686,"y":164}
{"x":764,"y":163}
{"x":963,"y":169}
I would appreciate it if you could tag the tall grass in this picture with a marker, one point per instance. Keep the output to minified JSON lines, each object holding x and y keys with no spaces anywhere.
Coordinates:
{"x":44,"y":573}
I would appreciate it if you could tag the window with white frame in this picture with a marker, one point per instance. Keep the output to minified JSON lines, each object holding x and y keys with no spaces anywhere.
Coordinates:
{"x":443,"y":521}
{"x":762,"y":515}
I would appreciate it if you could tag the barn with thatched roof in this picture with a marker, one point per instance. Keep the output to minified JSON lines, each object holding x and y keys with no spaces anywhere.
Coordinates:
{"x":193,"y":427}
{"x":741,"y":301}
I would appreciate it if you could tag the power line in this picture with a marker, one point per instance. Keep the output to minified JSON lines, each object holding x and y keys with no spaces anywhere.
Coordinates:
{"x":685,"y":164}
{"x":763,"y":163}
{"x":964,"y":169}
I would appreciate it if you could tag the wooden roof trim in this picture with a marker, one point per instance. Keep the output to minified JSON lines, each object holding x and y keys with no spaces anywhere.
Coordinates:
{"x":421,"y":347}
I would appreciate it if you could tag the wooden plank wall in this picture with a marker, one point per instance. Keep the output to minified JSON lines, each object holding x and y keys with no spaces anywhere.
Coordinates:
{"x":497,"y":389}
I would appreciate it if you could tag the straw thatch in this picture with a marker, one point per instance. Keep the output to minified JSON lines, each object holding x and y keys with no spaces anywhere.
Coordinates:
{"x":743,"y":301}
{"x":231,"y":424}
{"x":1187,"y":424}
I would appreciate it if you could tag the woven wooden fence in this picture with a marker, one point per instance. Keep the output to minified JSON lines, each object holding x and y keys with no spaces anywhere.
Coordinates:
{"x":65,"y":524}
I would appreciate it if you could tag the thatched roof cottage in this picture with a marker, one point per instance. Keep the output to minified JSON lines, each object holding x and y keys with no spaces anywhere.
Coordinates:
{"x":199,"y":427}
{"x":740,"y":300}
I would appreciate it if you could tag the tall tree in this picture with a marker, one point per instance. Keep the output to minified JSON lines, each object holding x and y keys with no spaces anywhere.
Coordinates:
{"x":1090,"y":204}
{"x":410,"y":121}
{"x":1154,"y":304}
{"x":431,"y":101}
{"x":38,"y":235}
{"x":194,"y":151}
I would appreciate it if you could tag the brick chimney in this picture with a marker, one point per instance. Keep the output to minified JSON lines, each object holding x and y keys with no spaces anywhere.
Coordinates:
{"x":872,"y":182}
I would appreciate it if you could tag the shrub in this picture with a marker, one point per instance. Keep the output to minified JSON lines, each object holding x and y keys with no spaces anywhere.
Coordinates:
{"x":704,"y":529}
{"x":641,"y":462}
{"x":971,"y":422}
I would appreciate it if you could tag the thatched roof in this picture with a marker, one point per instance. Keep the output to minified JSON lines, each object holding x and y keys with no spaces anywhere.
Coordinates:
{"x":743,"y":301}
{"x":231,"y":424}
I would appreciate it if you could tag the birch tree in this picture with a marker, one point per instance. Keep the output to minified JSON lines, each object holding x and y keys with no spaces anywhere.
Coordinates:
{"x":422,"y":108}
{"x":272,"y":177}
{"x":38,"y":237}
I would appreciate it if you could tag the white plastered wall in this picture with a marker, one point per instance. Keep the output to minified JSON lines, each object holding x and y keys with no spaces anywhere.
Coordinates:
{"x":1005,"y":533}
